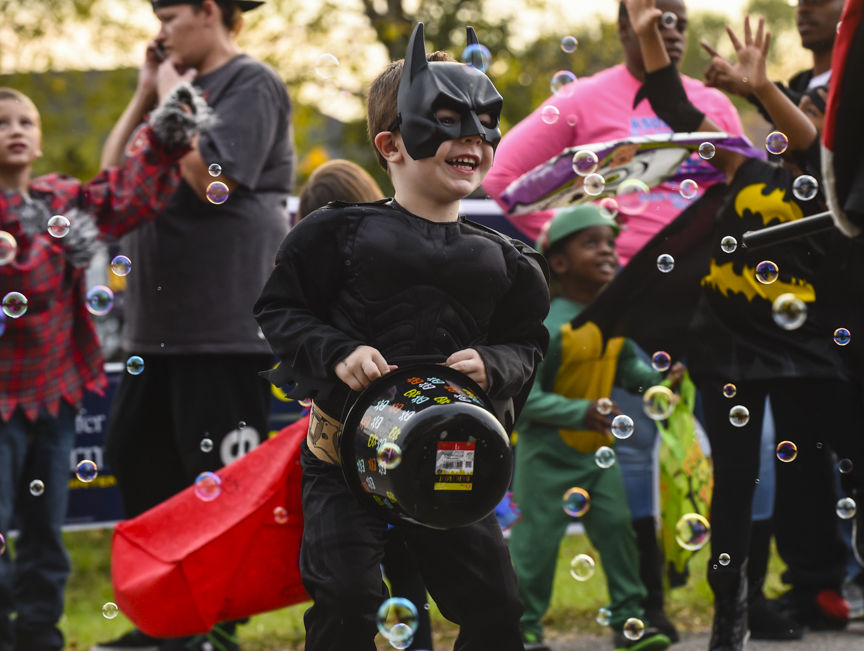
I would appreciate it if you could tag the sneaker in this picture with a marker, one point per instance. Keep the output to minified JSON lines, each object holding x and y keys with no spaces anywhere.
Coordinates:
{"x":533,"y":642}
{"x":768,"y":623}
{"x":134,"y":640}
{"x":853,"y":592}
{"x":657,"y":618}
{"x":825,"y":610}
{"x":651,"y":640}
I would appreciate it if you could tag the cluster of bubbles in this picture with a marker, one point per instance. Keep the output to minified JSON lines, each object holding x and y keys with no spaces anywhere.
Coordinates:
{"x":665,"y":263}
{"x":326,"y":65}
{"x":561,"y":83}
{"x":622,"y":427}
{"x":707,"y":150}
{"x":569,"y":44}
{"x":805,"y":187}
{"x":8,"y":248}
{"x":134,"y":365}
{"x":787,"y":451}
{"x":217,"y":193}
{"x":767,"y":272}
{"x":110,"y":610}
{"x":634,"y":628}
{"x":477,"y":56}
{"x":576,"y":502}
{"x":58,"y":226}
{"x":14,"y":305}
{"x":99,"y":300}
{"x":582,"y":567}
{"x":789,"y":311}
{"x":585,"y":162}
{"x":397,"y":621}
{"x":389,"y":455}
{"x":688,"y":188}
{"x":846,"y":508}
{"x":842,"y":336}
{"x":280,"y":515}
{"x":776,"y":142}
{"x":121,"y":265}
{"x":206,"y":445}
{"x":692,"y":531}
{"x":729,"y":390}
{"x":594,"y":184}
{"x":661,"y":361}
{"x":86,"y":470}
{"x":658,"y":402}
{"x":604,"y":456}
{"x":739,"y":416}
{"x":37,"y":488}
{"x":728,"y":244}
{"x":633,"y":195}
{"x":208,"y":486}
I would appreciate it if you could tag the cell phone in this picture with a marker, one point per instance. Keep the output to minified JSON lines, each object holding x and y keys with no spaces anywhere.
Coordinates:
{"x":160,"y":52}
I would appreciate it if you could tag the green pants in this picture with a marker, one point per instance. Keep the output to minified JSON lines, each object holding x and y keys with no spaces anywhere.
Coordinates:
{"x":545,"y":468}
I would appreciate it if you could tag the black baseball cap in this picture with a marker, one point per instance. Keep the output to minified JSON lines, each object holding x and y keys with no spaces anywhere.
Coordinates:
{"x":243,"y":5}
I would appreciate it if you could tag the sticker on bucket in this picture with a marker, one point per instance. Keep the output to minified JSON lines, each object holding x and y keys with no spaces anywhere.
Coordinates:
{"x":454,"y":466}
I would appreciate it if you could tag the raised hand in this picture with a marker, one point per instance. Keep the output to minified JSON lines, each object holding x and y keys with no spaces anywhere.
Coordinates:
{"x":722,"y":74}
{"x":643,"y":15}
{"x":752,"y":53}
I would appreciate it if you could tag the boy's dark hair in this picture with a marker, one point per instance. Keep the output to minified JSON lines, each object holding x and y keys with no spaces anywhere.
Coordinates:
{"x":382,"y":105}
{"x":232,"y":17}
{"x":18,"y":96}
{"x":337,"y":180}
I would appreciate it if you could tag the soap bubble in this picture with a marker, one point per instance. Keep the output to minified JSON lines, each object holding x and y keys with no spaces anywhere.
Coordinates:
{"x":609,"y":205}
{"x":669,"y":19}
{"x":326,"y":65}
{"x":2,"y":544}
{"x":776,"y":142}
{"x":280,"y":515}
{"x":633,"y":196}
{"x":37,"y":487}
{"x":477,"y":56}
{"x":787,"y":451}
{"x":604,"y":615}
{"x":134,"y":365}
{"x":100,"y":300}
{"x":569,"y":44}
{"x":58,"y":226}
{"x":215,"y":169}
{"x":767,"y":272}
{"x":208,"y":486}
{"x":692,"y":531}
{"x":844,"y":466}
{"x":634,"y":628}
{"x":604,"y":456}
{"x":549,"y":114}
{"x":121,"y":265}
{"x":389,"y":455}
{"x":217,"y":193}
{"x":728,"y":244}
{"x":789,"y":311}
{"x":688,"y":188}
{"x":661,"y":361}
{"x":86,"y":470}
{"x":729,"y":390}
{"x":561,"y":83}
{"x":393,"y":612}
{"x":594,"y":184}
{"x":739,"y":416}
{"x":401,"y":636}
{"x":665,"y":263}
{"x":206,"y":445}
{"x":584,"y":162}
{"x":14,"y":305}
{"x":658,"y":402}
{"x":805,"y":187}
{"x":707,"y":151}
{"x":604,"y":406}
{"x":110,"y":610}
{"x":622,"y":426}
{"x":582,"y":567}
{"x":842,"y":336}
{"x":846,"y":508}
{"x":8,"y":248}
{"x":576,"y":502}
{"x":724,"y":559}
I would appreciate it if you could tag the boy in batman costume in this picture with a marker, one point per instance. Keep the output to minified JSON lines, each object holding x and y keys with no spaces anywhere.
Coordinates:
{"x":356,"y":288}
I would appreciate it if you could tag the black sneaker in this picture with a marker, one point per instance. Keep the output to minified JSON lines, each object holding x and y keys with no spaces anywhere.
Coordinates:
{"x":651,"y":640}
{"x":657,"y":619}
{"x":533,"y":642}
{"x":134,"y":640}
{"x":768,"y":623}
{"x":822,"y":610}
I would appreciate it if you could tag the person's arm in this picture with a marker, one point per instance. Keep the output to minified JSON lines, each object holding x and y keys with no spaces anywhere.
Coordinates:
{"x":633,"y":374}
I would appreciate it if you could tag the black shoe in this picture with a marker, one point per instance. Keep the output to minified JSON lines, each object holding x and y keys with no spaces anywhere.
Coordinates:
{"x":221,"y":638}
{"x":659,"y":620}
{"x":767,"y":623}
{"x":729,"y":630}
{"x":134,"y":640}
{"x":818,"y":610}
{"x":651,"y":640}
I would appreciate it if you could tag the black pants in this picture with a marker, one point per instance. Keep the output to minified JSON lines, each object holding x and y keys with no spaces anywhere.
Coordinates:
{"x":466,"y":570}
{"x":406,"y":582}
{"x":814,"y":414}
{"x":158,"y":419}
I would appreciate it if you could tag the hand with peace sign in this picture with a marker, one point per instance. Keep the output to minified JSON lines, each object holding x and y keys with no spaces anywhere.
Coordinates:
{"x":748,"y":75}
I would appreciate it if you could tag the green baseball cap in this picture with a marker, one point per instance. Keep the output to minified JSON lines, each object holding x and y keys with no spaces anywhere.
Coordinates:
{"x":573,"y":219}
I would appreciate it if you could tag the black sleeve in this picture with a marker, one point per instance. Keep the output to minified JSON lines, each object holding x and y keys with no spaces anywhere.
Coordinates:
{"x":669,"y":100}
{"x":293,"y":307}
{"x":793,"y":95}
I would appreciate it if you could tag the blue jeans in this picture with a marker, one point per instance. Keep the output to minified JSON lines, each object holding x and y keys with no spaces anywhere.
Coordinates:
{"x":33,"y":584}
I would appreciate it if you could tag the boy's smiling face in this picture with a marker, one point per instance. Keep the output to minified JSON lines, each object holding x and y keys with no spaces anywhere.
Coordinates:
{"x":589,"y":256}
{"x":20,"y":134}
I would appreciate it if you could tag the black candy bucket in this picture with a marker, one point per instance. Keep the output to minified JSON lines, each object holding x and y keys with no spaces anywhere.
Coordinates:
{"x":422,"y":445}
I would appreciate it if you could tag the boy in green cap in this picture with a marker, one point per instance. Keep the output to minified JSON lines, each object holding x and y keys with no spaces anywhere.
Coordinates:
{"x":565,"y":421}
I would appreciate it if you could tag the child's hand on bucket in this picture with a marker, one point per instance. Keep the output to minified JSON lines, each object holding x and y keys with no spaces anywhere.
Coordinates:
{"x":469,"y":362}
{"x":361,"y":367}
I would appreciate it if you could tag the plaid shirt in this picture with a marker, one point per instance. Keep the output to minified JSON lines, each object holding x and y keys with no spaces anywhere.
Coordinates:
{"x":52,"y":351}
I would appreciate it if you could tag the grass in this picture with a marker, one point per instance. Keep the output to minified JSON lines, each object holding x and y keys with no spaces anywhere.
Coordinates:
{"x":574,"y":604}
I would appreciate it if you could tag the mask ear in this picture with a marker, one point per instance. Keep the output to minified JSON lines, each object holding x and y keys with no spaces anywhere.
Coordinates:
{"x":415,"y":57}
{"x":472,"y":36}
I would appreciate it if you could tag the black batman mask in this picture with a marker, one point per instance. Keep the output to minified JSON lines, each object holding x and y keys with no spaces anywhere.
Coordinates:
{"x":427,"y":86}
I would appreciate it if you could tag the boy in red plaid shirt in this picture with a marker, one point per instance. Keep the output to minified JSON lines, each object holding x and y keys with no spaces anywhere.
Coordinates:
{"x":49,"y":351}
